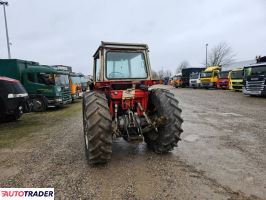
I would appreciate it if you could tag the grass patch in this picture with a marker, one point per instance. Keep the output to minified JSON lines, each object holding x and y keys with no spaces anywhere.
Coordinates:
{"x":28,"y":125}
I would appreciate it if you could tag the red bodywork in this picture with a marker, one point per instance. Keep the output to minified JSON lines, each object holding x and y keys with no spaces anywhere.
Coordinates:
{"x":223,"y":83}
{"x":116,"y":96}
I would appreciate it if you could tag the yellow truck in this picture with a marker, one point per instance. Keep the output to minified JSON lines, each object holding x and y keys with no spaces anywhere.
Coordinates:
{"x":209,"y":77}
{"x":236,"y":79}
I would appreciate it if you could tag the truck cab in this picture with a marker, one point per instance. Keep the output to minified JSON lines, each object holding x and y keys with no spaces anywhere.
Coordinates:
{"x":75,"y":85}
{"x":194,"y":80}
{"x":236,"y":79}
{"x":176,"y":81}
{"x":186,"y":72}
{"x":255,"y":79}
{"x":14,"y":100}
{"x":209,"y":77}
{"x":223,"y":80}
{"x":45,"y":85}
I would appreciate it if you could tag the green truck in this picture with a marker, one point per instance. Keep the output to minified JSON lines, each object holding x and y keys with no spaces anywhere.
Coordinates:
{"x":45,"y":85}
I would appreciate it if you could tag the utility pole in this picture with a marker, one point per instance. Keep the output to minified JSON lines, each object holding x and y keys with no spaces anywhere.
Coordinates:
{"x":5,"y":3}
{"x":206,"y":55}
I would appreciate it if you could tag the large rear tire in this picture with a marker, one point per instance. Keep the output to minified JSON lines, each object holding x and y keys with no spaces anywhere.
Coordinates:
{"x":97,"y":125}
{"x":163,"y":103}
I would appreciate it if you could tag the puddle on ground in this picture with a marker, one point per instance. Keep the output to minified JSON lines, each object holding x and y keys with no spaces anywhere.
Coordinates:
{"x":232,"y":114}
{"x":191,"y":138}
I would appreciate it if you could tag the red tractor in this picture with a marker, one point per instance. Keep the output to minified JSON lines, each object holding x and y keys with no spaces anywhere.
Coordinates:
{"x":121,"y":103}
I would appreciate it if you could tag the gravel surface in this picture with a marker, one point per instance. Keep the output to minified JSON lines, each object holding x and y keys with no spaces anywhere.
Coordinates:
{"x":221,"y":155}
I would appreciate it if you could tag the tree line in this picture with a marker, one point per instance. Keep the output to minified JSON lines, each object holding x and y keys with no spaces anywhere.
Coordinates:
{"x":220,"y":54}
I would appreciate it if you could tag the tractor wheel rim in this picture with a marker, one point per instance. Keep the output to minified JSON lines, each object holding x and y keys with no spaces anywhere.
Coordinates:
{"x":86,"y":141}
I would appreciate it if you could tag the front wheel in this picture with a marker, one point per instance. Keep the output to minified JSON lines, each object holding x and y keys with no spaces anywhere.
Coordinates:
{"x":162,"y":103}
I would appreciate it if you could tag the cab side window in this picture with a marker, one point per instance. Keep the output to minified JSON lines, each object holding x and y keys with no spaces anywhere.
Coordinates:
{"x":31,"y":77}
{"x":215,"y":73}
{"x":97,"y":68}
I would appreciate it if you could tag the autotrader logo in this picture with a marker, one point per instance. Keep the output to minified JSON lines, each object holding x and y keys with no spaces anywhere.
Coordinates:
{"x":27,"y":193}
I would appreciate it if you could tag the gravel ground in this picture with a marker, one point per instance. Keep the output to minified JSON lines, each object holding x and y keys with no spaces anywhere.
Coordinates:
{"x":221,"y":155}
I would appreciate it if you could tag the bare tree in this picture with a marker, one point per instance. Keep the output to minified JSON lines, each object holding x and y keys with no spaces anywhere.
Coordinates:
{"x":161,"y":74}
{"x":167,"y":73}
{"x":155,"y":75}
{"x":184,"y":64}
{"x":221,"y":54}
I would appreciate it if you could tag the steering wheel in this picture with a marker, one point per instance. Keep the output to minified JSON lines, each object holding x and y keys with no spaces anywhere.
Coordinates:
{"x":112,"y":75}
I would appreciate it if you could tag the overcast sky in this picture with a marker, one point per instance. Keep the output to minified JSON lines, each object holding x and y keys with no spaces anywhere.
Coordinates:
{"x":68,"y":32}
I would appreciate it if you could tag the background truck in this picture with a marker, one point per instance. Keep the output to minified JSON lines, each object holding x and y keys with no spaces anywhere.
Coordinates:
{"x":84,"y":82}
{"x":176,"y":80}
{"x":255,"y":78}
{"x":75,"y":85}
{"x":209,"y":77}
{"x":45,"y":85}
{"x":194,"y":80}
{"x":223,"y":80}
{"x":236,"y":79}
{"x":14,"y":100}
{"x":186,"y":75}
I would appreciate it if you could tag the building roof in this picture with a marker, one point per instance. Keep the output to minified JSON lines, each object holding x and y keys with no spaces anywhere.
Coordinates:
{"x":238,"y":64}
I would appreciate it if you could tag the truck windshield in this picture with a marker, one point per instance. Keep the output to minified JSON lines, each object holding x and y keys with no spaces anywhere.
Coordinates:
{"x":75,"y":79}
{"x":176,"y":78}
{"x":206,"y":74}
{"x":223,"y":74}
{"x":194,"y":76}
{"x":237,"y":74}
{"x":125,"y":65}
{"x":61,"y":80}
{"x":258,"y":70}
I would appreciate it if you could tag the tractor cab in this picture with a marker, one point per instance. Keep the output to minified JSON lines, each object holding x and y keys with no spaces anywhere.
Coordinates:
{"x":113,"y":61}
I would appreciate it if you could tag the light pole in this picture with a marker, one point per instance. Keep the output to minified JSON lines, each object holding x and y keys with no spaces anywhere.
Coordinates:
{"x":206,"y":55}
{"x":5,"y":3}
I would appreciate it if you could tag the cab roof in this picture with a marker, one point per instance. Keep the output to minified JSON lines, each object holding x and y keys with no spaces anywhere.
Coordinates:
{"x":120,"y":45}
{"x":257,"y":64}
{"x":237,"y":69}
{"x":209,"y":69}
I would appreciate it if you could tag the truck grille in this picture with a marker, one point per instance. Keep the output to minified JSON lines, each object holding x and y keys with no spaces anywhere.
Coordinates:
{"x":66,"y":95}
{"x":254,"y":85}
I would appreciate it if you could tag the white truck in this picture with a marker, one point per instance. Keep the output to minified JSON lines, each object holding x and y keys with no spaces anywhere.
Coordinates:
{"x":194,"y":80}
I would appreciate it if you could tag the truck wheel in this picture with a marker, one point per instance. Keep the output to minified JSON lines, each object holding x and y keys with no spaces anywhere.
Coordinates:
{"x":97,"y":126}
{"x":39,"y":104}
{"x":163,"y":103}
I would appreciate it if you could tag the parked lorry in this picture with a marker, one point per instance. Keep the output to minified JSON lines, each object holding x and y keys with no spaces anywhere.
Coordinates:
{"x":176,"y":81}
{"x":255,"y":78}
{"x":84,"y":82}
{"x":186,"y":72}
{"x":45,"y":85}
{"x":14,"y":100}
{"x":75,"y":85}
{"x":122,"y":104}
{"x":194,"y":80}
{"x":209,"y":77}
{"x":223,"y":80}
{"x":236,"y":79}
